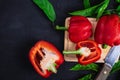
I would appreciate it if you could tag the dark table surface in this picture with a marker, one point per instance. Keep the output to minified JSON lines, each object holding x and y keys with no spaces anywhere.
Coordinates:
{"x":22,"y":24}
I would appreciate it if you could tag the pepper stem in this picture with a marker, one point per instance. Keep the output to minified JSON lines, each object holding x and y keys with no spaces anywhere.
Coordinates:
{"x":52,"y":68}
{"x":61,"y":28}
{"x":104,"y":46}
{"x":82,"y":51}
{"x":72,"y":52}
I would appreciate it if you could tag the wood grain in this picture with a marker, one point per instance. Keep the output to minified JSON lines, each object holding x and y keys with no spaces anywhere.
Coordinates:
{"x":68,"y":45}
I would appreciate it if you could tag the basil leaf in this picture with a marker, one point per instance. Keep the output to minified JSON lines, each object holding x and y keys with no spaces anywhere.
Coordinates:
{"x":118,"y":10}
{"x":86,"y":3}
{"x":116,"y":67}
{"x":102,"y":8}
{"x":85,"y":12}
{"x":117,"y":1}
{"x":87,"y":77}
{"x":92,"y":66}
{"x":47,"y":8}
{"x":88,"y":11}
{"x":108,"y":12}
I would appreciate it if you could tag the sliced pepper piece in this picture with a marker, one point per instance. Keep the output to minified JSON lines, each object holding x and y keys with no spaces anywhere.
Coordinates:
{"x":87,"y":52}
{"x":95,"y":52}
{"x":45,"y":58}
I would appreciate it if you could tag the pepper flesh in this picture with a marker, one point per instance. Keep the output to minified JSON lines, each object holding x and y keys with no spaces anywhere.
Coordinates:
{"x":79,"y":29}
{"x":108,"y":30}
{"x":38,"y":58}
{"x":95,"y":52}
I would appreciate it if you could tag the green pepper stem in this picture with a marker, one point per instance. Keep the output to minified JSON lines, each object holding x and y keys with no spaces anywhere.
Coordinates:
{"x":52,"y":68}
{"x":72,"y":52}
{"x":61,"y":28}
{"x":104,"y":46}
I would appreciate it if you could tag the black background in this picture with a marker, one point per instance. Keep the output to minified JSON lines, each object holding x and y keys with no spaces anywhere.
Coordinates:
{"x":22,"y":24}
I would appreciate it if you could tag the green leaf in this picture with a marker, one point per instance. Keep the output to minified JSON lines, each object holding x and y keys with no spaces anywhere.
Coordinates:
{"x":102,"y":8}
{"x":116,"y":67}
{"x":85,"y":12}
{"x":92,"y":66}
{"x":108,"y":12}
{"x":88,"y":11}
{"x":87,"y":77}
{"x":47,"y":8}
{"x":86,"y":3}
{"x":117,"y":1}
{"x":118,"y":9}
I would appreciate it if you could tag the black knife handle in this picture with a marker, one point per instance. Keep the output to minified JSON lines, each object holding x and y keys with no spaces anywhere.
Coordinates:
{"x":104,"y":72}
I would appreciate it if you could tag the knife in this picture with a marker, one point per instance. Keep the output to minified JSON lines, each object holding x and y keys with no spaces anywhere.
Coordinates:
{"x":110,"y":60}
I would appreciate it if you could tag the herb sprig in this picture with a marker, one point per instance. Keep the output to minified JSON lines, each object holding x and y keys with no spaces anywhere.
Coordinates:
{"x":92,"y":11}
{"x":94,"y":67}
{"x":86,"y":77}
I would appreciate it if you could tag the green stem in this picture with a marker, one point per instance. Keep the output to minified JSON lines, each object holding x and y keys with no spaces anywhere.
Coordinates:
{"x":72,"y":52}
{"x":61,"y":28}
{"x":52,"y":68}
{"x":104,"y":46}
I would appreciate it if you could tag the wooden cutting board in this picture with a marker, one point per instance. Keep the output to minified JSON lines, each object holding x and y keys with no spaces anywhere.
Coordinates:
{"x":68,"y":45}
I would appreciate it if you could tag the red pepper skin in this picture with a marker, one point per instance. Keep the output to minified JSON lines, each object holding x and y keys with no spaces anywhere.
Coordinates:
{"x":108,"y":30}
{"x":95,"y":52}
{"x":79,"y":29}
{"x":50,"y":47}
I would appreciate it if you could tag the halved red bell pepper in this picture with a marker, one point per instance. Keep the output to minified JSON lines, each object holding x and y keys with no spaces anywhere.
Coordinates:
{"x":108,"y":30}
{"x":87,"y":52}
{"x":79,"y":28}
{"x":94,"y":49}
{"x":45,"y":58}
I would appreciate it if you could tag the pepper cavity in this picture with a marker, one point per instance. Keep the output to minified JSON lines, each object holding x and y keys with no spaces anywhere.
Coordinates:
{"x":48,"y":62}
{"x":45,"y":58}
{"x":38,"y":57}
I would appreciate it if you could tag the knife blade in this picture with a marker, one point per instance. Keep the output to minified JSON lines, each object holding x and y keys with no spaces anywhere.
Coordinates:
{"x":110,"y":60}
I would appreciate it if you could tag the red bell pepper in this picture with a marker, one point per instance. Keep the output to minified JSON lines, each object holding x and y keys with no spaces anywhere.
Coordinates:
{"x":45,"y":58}
{"x":108,"y":30}
{"x":94,"y":49}
{"x":79,"y":28}
{"x":87,"y":52}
